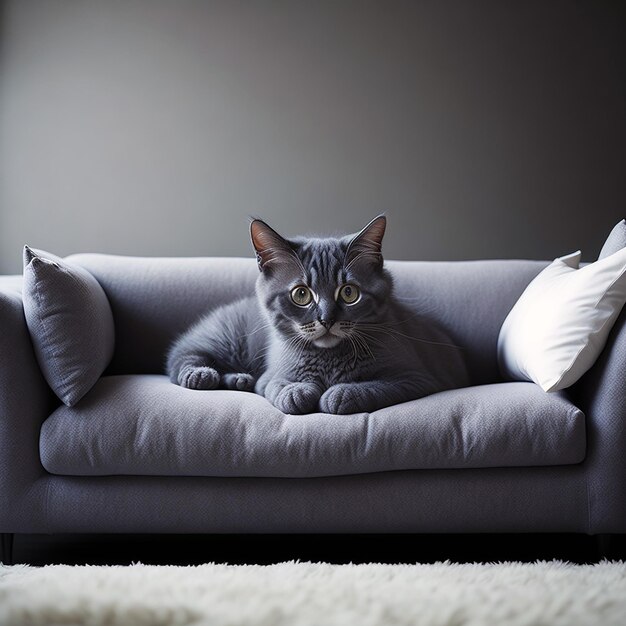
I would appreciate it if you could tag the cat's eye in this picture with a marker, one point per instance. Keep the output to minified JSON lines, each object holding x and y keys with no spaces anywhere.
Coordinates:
{"x":349,"y":294}
{"x":301,"y":295}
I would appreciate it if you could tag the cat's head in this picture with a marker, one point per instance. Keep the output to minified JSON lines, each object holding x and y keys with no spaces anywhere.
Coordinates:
{"x":322,"y":290}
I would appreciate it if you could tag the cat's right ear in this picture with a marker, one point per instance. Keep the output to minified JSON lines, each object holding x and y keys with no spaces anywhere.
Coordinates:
{"x":366,"y":246}
{"x":269,"y":246}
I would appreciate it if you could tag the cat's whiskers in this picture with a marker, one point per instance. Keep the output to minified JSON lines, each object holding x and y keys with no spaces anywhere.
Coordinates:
{"x":363,"y":346}
{"x":256,"y":330}
{"x":374,"y":340}
{"x":384,"y":328}
{"x":354,"y":348}
{"x":299,"y":347}
{"x":258,"y":357}
{"x":295,"y":345}
{"x":362,"y":341}
{"x":347,"y":329}
{"x":260,"y":354}
{"x":308,"y":329}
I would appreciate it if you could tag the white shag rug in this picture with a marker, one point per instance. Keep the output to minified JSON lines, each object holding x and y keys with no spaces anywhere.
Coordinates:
{"x":316,"y":594}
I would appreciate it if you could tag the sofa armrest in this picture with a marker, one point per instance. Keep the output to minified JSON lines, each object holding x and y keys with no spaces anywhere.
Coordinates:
{"x":601,"y":395}
{"x":25,"y":401}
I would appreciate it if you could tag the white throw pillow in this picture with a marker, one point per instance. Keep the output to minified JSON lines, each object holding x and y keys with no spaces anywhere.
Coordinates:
{"x":559,"y":325}
{"x":615,"y":241}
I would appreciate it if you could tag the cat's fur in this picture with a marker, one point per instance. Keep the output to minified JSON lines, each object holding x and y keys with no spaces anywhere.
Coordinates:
{"x":327,"y":355}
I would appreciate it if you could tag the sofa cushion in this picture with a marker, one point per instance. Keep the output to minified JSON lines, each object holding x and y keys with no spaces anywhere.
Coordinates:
{"x":145,"y":425}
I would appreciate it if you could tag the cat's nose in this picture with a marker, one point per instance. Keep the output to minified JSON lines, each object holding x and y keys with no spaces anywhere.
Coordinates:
{"x":327,"y":323}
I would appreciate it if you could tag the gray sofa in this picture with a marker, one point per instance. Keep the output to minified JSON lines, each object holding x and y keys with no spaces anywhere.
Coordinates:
{"x":140,"y":455}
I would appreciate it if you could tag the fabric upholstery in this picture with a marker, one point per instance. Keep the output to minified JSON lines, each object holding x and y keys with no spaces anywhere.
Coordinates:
{"x":155,"y":299}
{"x":145,"y":425}
{"x":25,"y":401}
{"x":601,"y":393}
{"x":588,"y":497}
{"x":70,"y":323}
{"x":524,"y":499}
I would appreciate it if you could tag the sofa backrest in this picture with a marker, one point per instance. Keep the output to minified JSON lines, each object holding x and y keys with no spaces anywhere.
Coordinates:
{"x":156,"y":299}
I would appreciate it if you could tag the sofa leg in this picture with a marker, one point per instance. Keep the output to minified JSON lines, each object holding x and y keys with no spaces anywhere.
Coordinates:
{"x":603,"y":543}
{"x":7,"y":548}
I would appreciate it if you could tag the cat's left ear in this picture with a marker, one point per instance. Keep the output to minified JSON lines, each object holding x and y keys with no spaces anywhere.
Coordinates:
{"x":366,"y":246}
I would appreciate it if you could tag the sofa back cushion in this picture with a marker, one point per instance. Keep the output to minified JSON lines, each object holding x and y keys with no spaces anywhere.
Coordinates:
{"x":155,"y":299}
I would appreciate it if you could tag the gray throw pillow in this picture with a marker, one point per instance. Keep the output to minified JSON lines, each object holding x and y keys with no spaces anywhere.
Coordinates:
{"x":615,"y":241}
{"x":70,"y":323}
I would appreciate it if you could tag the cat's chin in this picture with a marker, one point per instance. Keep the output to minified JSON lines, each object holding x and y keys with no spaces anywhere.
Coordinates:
{"x":327,"y":341}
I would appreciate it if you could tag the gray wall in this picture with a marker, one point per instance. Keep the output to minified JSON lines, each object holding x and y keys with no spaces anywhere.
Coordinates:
{"x":484,"y":129}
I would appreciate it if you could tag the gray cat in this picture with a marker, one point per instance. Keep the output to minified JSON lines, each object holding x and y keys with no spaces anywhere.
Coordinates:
{"x":323,"y":332}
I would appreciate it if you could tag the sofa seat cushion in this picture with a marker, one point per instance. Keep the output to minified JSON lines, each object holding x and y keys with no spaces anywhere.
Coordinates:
{"x":145,"y":425}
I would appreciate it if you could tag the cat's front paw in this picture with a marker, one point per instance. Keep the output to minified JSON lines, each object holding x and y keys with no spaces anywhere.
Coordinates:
{"x":193,"y":377}
{"x":344,"y":399}
{"x":238,"y":382}
{"x":294,"y":398}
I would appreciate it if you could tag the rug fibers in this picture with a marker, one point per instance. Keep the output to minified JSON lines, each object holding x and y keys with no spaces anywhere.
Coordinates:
{"x":316,"y":594}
